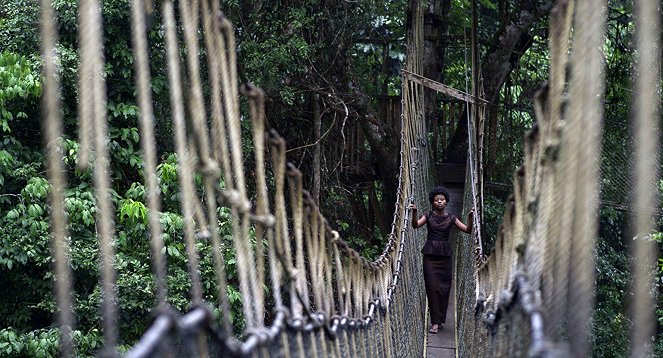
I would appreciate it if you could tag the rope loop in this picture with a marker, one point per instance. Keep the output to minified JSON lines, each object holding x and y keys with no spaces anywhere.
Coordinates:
{"x":267,"y":220}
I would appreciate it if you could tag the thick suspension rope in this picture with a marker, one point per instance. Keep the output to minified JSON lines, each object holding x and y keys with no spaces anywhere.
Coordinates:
{"x":52,"y":126}
{"x":646,"y":175}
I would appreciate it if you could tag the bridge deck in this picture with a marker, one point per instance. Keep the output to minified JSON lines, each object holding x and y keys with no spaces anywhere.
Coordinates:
{"x":443,"y":344}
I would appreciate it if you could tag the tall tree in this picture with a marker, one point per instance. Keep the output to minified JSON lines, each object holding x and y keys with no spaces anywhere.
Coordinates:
{"x":510,"y":42}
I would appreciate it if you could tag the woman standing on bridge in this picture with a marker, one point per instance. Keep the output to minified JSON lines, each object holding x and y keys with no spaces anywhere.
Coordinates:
{"x":437,"y":252}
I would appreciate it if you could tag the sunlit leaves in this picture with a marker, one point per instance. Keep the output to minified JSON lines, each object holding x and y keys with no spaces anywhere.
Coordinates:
{"x":6,"y":164}
{"x":136,"y":192}
{"x":133,"y":212}
{"x":36,"y":189}
{"x":125,"y":111}
{"x":80,"y":206}
{"x":17,"y":80}
{"x":40,"y":343}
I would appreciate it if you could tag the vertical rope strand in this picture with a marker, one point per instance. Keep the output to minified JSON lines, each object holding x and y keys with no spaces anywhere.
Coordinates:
{"x":102,"y":180}
{"x":52,"y":127}
{"x":219,"y":152}
{"x":282,"y":241}
{"x":560,"y":24}
{"x":264,"y":230}
{"x":188,"y":14}
{"x":186,"y":180}
{"x":645,"y":104}
{"x":584,"y":130}
{"x":295,"y":185}
{"x":246,"y":271}
{"x":568,"y":165}
{"x":85,"y":82}
{"x":216,"y":50}
{"x":142,"y":68}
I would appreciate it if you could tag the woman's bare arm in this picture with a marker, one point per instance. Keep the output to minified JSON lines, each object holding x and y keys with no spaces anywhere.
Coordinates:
{"x":470,"y":223}
{"x":417,"y":223}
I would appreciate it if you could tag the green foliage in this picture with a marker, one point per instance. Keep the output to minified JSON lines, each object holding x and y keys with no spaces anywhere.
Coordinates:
{"x":366,"y":248}
{"x":610,"y":324}
{"x":275,"y":45}
{"x":19,"y":25}
{"x":24,"y":253}
{"x":24,"y":238}
{"x":6,"y":164}
{"x":25,"y":258}
{"x":45,"y":342}
{"x":657,"y":236}
{"x":42,"y":343}
{"x":17,"y":80}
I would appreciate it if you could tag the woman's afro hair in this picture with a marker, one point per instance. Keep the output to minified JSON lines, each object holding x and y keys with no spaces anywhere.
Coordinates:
{"x":437,"y":191}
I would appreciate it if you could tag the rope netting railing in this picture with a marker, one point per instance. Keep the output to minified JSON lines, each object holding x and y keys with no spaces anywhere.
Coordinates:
{"x":304,"y":291}
{"x":616,"y":168}
{"x":534,"y":295}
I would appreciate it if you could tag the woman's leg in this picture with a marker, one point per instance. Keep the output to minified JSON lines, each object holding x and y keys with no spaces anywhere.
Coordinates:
{"x":444,"y":278}
{"x":433,"y":289}
{"x":437,"y":279}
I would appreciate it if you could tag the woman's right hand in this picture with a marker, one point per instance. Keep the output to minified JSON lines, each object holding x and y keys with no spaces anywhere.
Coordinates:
{"x":416,"y":222}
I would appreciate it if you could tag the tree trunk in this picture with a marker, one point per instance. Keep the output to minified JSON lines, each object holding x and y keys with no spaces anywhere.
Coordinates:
{"x":377,"y":212}
{"x":360,"y":212}
{"x":436,"y":26}
{"x":492,"y":143}
{"x":317,"y":119}
{"x":385,"y":147}
{"x":510,"y":44}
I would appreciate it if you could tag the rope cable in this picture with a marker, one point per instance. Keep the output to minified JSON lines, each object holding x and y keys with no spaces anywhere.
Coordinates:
{"x":186,"y":182}
{"x":584,"y":129}
{"x":646,"y":131}
{"x":52,"y":127}
{"x":142,"y":75}
{"x":101,"y":178}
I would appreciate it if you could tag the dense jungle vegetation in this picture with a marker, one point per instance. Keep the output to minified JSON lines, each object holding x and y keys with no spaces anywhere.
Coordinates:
{"x":325,"y":65}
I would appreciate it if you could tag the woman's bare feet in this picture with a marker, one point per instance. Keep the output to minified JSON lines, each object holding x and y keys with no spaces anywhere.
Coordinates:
{"x":433,"y":329}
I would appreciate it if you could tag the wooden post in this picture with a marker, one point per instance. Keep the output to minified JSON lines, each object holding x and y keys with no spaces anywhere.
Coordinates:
{"x":435,"y":135}
{"x":443,"y":133}
{"x":317,"y":120}
{"x":452,"y":120}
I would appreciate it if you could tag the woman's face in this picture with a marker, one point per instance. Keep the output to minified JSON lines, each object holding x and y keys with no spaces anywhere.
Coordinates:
{"x":439,"y":202}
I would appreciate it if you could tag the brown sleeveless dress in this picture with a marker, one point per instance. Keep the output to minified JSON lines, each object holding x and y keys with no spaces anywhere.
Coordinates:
{"x":438,"y":264}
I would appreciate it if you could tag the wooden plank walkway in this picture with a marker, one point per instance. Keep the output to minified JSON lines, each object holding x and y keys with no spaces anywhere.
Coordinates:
{"x":443,"y":344}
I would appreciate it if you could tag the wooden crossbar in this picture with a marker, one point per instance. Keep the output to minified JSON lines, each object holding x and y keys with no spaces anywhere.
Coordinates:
{"x":437,"y":86}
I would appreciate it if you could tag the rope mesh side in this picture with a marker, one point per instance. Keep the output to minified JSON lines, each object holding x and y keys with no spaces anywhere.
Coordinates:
{"x":520,"y":270}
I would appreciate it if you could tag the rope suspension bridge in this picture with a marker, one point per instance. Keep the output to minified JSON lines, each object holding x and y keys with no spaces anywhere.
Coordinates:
{"x":532,"y":295}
